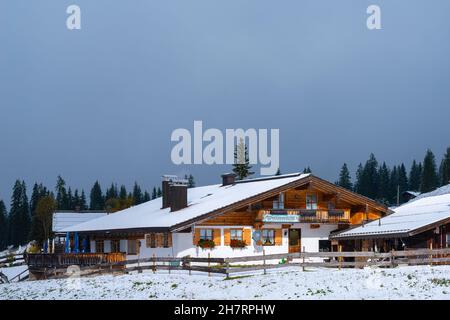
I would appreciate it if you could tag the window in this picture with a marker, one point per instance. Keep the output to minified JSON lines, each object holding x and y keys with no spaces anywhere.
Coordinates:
{"x":115,"y":246}
{"x":167,"y":240}
{"x":133,"y":246}
{"x":268,"y":237}
{"x":278,"y":203}
{"x":236,"y":234}
{"x":150,"y":240}
{"x":324,"y":245}
{"x":311,"y":201}
{"x":206,"y":234}
{"x":448,"y":240}
{"x":99,"y":246}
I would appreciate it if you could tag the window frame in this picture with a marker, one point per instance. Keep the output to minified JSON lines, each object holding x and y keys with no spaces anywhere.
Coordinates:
{"x":263,"y":238}
{"x":115,"y":244}
{"x":236,"y":237}
{"x":205,"y":236}
{"x":309,"y":204}
{"x":136,"y":246}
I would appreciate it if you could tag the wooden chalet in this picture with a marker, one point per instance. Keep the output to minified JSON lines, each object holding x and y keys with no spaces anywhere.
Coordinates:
{"x":279,"y":214}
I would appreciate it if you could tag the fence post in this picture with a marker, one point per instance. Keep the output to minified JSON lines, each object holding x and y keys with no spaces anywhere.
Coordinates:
{"x":169,"y":262}
{"x":227,"y":268}
{"x":303,"y":263}
{"x":431,"y":252}
{"x":392,"y":258}
{"x":264,"y":260}
{"x":340,"y":256}
{"x":154,"y":263}
{"x":209,"y":264}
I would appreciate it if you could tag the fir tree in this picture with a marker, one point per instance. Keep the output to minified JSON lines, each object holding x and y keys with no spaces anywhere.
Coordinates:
{"x":369,"y":178}
{"x":3,"y":226}
{"x":402,"y":179}
{"x":415,"y":175}
{"x":154,"y":195}
{"x":112,"y":192}
{"x":444,"y":169}
{"x":137,"y":194}
{"x":83,"y":202}
{"x":344,"y":178}
{"x":44,"y":213}
{"x":123,"y":192}
{"x":307,"y":170}
{"x":191,"y":181}
{"x":39,"y":191}
{"x":430,"y":180}
{"x":241,"y":166}
{"x":384,"y":184}
{"x":62,"y":200}
{"x":70,"y":200}
{"x":146,"y":196}
{"x":359,"y":174}
{"x":97,"y":199}
{"x":393,"y":185}
{"x":19,"y":218}
{"x":159,"y":193}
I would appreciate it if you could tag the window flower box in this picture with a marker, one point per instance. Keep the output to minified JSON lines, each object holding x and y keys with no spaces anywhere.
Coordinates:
{"x":237,"y":244}
{"x":206,"y":244}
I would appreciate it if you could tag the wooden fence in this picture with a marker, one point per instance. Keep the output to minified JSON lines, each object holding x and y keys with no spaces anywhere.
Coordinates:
{"x":54,"y":265}
{"x":11,"y":260}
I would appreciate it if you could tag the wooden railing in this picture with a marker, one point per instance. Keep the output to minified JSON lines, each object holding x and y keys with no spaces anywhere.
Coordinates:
{"x":312,"y":215}
{"x":56,"y":264}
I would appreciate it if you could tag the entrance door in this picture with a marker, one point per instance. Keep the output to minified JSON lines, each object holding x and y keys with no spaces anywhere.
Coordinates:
{"x":294,"y":240}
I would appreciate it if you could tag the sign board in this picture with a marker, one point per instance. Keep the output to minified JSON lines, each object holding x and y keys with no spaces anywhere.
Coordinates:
{"x":281,"y":218}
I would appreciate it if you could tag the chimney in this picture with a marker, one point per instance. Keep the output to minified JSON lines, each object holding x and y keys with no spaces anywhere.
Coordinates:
{"x":228,"y":178}
{"x":174,"y":192}
{"x":178,"y":195}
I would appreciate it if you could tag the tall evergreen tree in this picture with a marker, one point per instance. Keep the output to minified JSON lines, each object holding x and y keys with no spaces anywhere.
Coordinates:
{"x":384,"y":184}
{"x":241,"y":166}
{"x":369,"y":178}
{"x":83,"y":201}
{"x":39,"y":191}
{"x":159,"y":192}
{"x":393,"y":183}
{"x":111,"y":192}
{"x":62,"y":200}
{"x":307,"y":170}
{"x":359,"y":173}
{"x":191,"y":181}
{"x":345,"y":180}
{"x":123,"y":192}
{"x":19,"y":218}
{"x":415,"y":175}
{"x":146,"y":196}
{"x":44,"y":213}
{"x":137,"y":194}
{"x":444,"y":169}
{"x":402,"y":179}
{"x":97,"y":199}
{"x":430,"y":179}
{"x":3,"y":226}
{"x":154,"y":195}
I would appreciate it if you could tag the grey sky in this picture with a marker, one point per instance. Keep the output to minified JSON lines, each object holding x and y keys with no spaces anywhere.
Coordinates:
{"x":101,"y":102}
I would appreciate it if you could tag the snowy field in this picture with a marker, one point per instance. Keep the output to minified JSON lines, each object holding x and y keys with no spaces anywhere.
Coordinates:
{"x":419,"y":282}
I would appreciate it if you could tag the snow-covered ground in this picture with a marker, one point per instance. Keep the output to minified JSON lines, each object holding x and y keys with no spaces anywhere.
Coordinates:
{"x":419,"y":282}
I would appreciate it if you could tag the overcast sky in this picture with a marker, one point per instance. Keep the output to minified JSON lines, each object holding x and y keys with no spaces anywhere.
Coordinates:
{"x":101,"y":102}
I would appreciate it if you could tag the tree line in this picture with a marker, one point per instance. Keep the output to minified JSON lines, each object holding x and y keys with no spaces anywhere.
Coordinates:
{"x":32,"y":219}
{"x":385,"y":184}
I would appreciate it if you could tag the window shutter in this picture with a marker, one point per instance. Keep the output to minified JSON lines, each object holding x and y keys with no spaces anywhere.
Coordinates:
{"x":226,"y":237}
{"x":196,"y":237}
{"x":247,"y":236}
{"x":216,"y":237}
{"x":278,"y":237}
{"x":160,"y":240}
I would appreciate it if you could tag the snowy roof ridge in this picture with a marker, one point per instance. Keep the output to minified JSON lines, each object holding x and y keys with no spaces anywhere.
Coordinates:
{"x":439,"y":191}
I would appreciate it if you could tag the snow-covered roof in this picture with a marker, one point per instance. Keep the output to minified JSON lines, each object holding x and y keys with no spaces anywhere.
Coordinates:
{"x":415,"y":214}
{"x":413,"y":193}
{"x":65,"y":219}
{"x":201,"y":201}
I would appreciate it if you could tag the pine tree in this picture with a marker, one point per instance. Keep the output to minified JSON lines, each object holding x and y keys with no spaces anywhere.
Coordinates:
{"x":137,"y":194}
{"x":430,"y":180}
{"x":44,"y":213}
{"x":444,"y":169}
{"x":344,"y":178}
{"x":19,"y":218}
{"x":384,"y":184}
{"x":83,"y":201}
{"x":402,"y":179}
{"x":111,"y":192}
{"x":415,"y":175}
{"x":123,"y":192}
{"x":359,"y":174}
{"x":39,"y":191}
{"x":97,"y":199}
{"x":70,"y":200}
{"x":3,"y":226}
{"x":368,"y":183}
{"x":393,"y":185}
{"x":159,"y":193}
{"x":154,"y":196}
{"x":146,"y":196}
{"x":62,"y":200}
{"x":307,"y":170}
{"x":241,"y":166}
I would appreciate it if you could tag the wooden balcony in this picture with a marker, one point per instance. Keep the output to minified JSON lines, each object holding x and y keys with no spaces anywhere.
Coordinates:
{"x":306,"y":215}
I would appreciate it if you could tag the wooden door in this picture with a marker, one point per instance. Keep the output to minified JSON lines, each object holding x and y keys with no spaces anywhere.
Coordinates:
{"x":294,"y":240}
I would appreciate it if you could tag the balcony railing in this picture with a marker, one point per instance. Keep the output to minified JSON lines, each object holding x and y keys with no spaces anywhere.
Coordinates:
{"x":306,"y":215}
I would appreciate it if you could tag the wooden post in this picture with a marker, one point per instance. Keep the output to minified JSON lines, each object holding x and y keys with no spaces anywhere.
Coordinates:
{"x":227,"y":268}
{"x":264,"y":260}
{"x":392,"y":259}
{"x":431,"y":252}
{"x":209,"y":264}
{"x":340,"y":257}
{"x":169,"y":263}
{"x":154,"y":263}
{"x":303,"y":260}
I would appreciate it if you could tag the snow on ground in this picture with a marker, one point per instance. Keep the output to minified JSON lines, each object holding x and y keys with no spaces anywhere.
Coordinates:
{"x":11,"y":272}
{"x":413,"y":282}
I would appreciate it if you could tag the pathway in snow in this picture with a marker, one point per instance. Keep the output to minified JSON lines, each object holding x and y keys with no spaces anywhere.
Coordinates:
{"x":419,"y":282}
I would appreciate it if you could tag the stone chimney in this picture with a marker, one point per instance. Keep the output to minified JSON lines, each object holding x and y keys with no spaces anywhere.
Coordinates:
{"x":228,"y":179}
